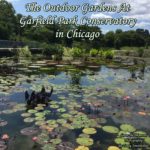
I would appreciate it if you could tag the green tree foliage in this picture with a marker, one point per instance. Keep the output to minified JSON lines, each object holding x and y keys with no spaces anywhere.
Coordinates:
{"x":10,"y":29}
{"x":109,"y":39}
{"x":7,"y":20}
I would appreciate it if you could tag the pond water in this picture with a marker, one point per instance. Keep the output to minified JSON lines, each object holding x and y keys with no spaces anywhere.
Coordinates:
{"x":91,"y":107}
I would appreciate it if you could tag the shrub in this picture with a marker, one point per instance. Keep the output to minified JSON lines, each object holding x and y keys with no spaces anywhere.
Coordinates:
{"x":93,"y":52}
{"x":127,"y":53}
{"x":56,"y":50}
{"x":77,"y":52}
{"x":109,"y":54}
{"x":146,"y":45}
{"x":140,"y":52}
{"x":23,"y":52}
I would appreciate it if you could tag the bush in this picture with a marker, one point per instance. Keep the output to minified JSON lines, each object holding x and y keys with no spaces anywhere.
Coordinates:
{"x":146,"y":45}
{"x":140,"y":52}
{"x":23,"y":52}
{"x":56,"y":50}
{"x":127,"y":53}
{"x":77,"y":52}
{"x":93,"y":52}
{"x":109,"y":54}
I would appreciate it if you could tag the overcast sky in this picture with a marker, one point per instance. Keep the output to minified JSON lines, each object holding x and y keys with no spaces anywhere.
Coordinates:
{"x":140,"y":9}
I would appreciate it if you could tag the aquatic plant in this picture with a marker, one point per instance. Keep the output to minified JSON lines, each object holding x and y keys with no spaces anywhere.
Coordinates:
{"x":29,"y":119}
{"x":3,"y":123}
{"x":61,"y":110}
{"x":110,"y":129}
{"x":43,"y":138}
{"x":127,"y":128}
{"x":40,"y":122}
{"x":82,"y":148}
{"x":5,"y":137}
{"x":84,"y":135}
{"x":121,"y":141}
{"x":56,"y":141}
{"x":23,"y":52}
{"x":84,"y":141}
{"x":34,"y":139}
{"x":147,"y":140}
{"x":89,"y":130}
{"x":29,"y":131}
{"x":26,"y":114}
{"x":113,"y":148}
{"x":49,"y":147}
{"x":3,"y":145}
{"x":9,"y":111}
{"x":32,"y":111}
{"x":61,"y":121}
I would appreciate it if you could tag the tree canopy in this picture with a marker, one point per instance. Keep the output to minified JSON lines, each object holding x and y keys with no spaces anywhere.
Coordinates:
{"x":10,"y":29}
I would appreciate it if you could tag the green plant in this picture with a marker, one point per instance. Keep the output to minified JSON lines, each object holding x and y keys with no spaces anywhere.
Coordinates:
{"x":109,"y":54}
{"x":127,"y":53}
{"x":56,"y":50}
{"x":77,"y":52}
{"x":146,"y":45}
{"x":23,"y":52}
{"x":140,"y":52}
{"x":93,"y":52}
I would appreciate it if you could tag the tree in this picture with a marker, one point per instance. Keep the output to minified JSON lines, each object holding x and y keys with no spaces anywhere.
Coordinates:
{"x":117,"y":44}
{"x":109,"y":39}
{"x":7,"y":20}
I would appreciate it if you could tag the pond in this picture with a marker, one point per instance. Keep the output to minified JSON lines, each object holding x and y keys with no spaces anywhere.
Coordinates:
{"x":92,"y":107}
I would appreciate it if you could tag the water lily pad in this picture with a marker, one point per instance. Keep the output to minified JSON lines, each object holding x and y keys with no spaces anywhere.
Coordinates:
{"x":113,"y":148}
{"x":39,"y":108}
{"x":25,"y":114}
{"x":29,"y":119}
{"x":32,"y":111}
{"x":3,"y":123}
{"x":54,"y":106}
{"x":101,"y":120}
{"x":110,"y":129}
{"x":84,"y":135}
{"x":8,"y":111}
{"x":82,"y":148}
{"x":46,"y":127}
{"x":141,"y":134}
{"x":43,"y":138}
{"x":61,"y":121}
{"x":61,"y":110}
{"x":29,"y":131}
{"x":40,"y":118}
{"x":67,"y":125}
{"x":84,"y":141}
{"x":66,"y":116}
{"x":49,"y":147}
{"x":51,"y":122}
{"x":47,"y":112}
{"x":127,"y":128}
{"x":3,"y":146}
{"x":40,"y":114}
{"x":56,"y":141}
{"x":147,"y":140}
{"x":40,"y":122}
{"x":121,"y":141}
{"x":89,"y":131}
